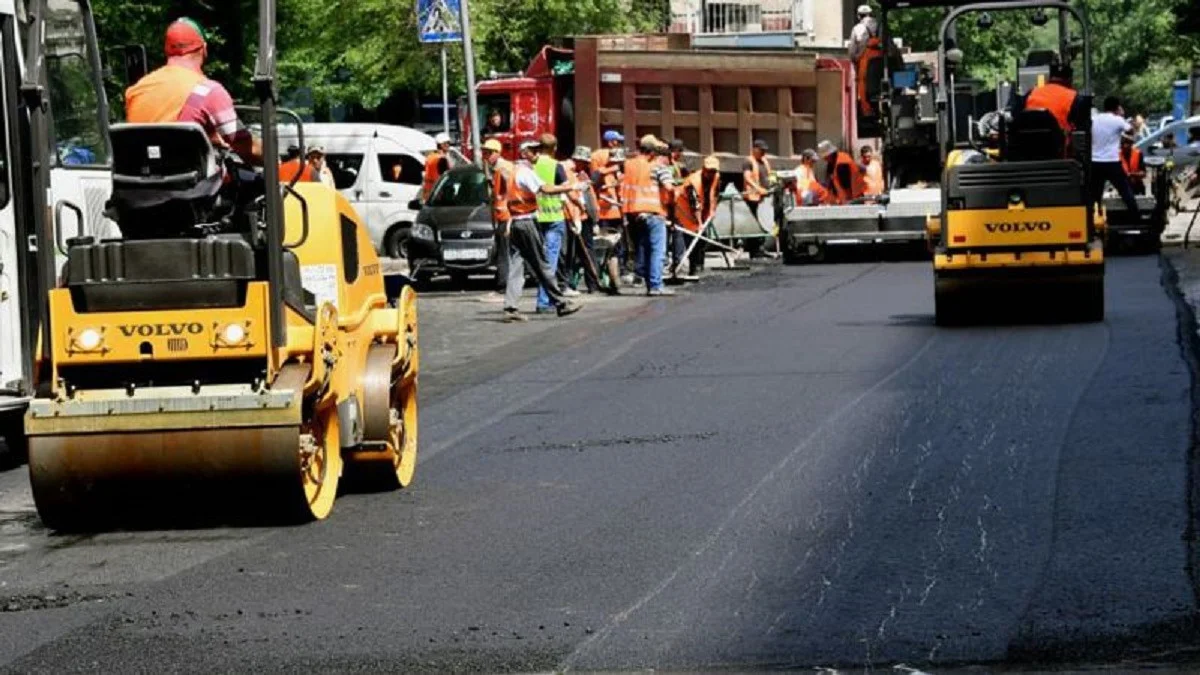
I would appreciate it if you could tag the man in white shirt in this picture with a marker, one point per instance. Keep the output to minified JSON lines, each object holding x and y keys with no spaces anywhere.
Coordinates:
{"x":866,"y":28}
{"x":1107,"y":128}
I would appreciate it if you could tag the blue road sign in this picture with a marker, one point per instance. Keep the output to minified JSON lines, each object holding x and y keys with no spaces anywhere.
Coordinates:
{"x":439,"y":20}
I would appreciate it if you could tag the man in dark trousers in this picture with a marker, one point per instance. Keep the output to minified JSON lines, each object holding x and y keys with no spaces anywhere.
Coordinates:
{"x":1107,"y":128}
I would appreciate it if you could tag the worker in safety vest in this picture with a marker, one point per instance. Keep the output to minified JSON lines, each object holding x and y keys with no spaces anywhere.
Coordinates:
{"x":844,"y":177}
{"x":294,"y":164}
{"x":865,"y":46}
{"x":807,"y":189}
{"x":642,"y":188}
{"x":515,"y":192}
{"x":1058,"y":96}
{"x":179,"y":92}
{"x":600,"y":158}
{"x":582,"y":214}
{"x":756,"y":172}
{"x":436,"y":164}
{"x":611,"y":221}
{"x":695,"y":204}
{"x":872,"y":171}
{"x":1134,"y":164}
{"x":551,"y":214}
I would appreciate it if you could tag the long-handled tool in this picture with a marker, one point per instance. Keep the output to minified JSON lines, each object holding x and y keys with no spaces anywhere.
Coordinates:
{"x":589,"y":264}
{"x":695,"y":240}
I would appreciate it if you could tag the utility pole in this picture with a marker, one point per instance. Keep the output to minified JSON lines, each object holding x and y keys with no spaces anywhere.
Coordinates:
{"x":469,"y":61}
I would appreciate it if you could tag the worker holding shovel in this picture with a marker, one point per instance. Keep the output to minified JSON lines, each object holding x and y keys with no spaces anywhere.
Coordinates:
{"x":695,"y":205}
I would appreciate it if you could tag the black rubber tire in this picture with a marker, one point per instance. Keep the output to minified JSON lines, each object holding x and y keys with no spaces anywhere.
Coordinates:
{"x":395,"y":242}
{"x":949,"y":308}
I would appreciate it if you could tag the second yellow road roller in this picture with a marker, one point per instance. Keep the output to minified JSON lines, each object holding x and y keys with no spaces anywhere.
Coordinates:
{"x":234,"y":354}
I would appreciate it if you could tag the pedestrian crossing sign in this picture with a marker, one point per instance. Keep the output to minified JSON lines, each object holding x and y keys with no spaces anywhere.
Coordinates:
{"x":439,"y":20}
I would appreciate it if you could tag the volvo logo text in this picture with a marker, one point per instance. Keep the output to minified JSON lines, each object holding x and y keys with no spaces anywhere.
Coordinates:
{"x":1040,"y":226}
{"x":162,"y":329}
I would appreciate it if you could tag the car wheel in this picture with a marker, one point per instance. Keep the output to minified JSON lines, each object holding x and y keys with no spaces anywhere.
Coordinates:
{"x":395,"y":242}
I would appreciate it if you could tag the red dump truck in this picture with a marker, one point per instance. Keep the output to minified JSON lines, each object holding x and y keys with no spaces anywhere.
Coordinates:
{"x":715,"y":101}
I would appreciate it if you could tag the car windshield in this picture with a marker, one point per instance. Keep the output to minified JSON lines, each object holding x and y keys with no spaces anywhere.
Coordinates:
{"x":460,"y":188}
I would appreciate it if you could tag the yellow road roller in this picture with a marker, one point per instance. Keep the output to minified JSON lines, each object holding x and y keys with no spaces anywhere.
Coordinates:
{"x":1017,"y":232}
{"x":234,"y":354}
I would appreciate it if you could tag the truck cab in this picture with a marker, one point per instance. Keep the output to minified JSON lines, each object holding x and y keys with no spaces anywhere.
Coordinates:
{"x":536,"y":101}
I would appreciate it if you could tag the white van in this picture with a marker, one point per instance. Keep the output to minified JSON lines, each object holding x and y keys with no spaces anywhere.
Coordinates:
{"x":379,"y":169}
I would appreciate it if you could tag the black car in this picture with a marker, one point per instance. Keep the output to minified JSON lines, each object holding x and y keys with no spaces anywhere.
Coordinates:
{"x":453,"y":233}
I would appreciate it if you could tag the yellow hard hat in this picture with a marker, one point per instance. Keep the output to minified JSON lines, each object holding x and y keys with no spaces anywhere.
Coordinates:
{"x":711,"y":162}
{"x":493,"y":145}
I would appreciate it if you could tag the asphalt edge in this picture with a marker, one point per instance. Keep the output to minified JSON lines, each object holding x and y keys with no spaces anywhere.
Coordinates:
{"x":1188,"y":338}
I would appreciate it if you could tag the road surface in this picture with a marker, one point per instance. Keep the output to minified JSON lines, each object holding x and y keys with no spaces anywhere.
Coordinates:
{"x":790,"y":469}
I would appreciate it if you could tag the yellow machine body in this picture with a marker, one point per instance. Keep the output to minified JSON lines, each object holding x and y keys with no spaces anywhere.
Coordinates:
{"x":275,"y":430}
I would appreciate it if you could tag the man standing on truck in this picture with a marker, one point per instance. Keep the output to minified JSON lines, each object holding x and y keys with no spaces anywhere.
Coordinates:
{"x":1134,"y":164}
{"x":808,"y":190}
{"x":436,"y":164}
{"x":756,"y":171}
{"x":865,"y":46}
{"x":643,"y":187}
{"x":844,"y":177}
{"x":179,"y":92}
{"x":1107,"y":129}
{"x":515,"y":192}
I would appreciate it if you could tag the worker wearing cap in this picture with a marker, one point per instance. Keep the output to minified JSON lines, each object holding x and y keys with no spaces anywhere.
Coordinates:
{"x":1058,"y":96}
{"x":179,"y":92}
{"x":807,"y":189}
{"x":436,"y":164}
{"x":695,"y":204}
{"x":600,"y":158}
{"x":581,"y":219}
{"x":642,"y":188}
{"x":295,"y":168}
{"x":755,"y":174}
{"x":318,"y":166}
{"x":515,"y":191}
{"x":551,"y":214}
{"x":865,"y":46}
{"x":610,"y":218}
{"x":844,"y":175}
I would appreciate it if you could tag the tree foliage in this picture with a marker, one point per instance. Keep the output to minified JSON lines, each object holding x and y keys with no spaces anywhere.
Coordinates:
{"x":1138,"y":48}
{"x":361,"y":52}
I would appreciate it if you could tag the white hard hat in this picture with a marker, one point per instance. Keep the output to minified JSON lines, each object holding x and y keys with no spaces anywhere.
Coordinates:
{"x":864,"y":10}
{"x":441,"y":138}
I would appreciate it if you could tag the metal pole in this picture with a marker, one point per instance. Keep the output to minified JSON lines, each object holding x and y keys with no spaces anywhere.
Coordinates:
{"x":445,"y":93}
{"x":469,"y":60}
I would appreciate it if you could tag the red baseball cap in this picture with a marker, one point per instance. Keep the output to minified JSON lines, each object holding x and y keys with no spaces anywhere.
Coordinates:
{"x":184,"y":36}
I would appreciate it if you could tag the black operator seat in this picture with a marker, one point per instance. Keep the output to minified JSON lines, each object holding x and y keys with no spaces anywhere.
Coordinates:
{"x":166,"y":179}
{"x":1034,"y":135}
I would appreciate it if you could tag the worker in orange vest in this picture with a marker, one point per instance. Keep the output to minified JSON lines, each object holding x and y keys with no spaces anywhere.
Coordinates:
{"x":695,"y":204}
{"x":865,"y":47}
{"x":600,"y":158}
{"x":179,"y":92}
{"x":611,"y":221}
{"x":872,"y":171}
{"x":807,"y":189}
{"x":436,"y":164}
{"x":844,"y":176}
{"x":645,"y":181}
{"x":756,"y":172}
{"x":294,"y":164}
{"x":582,"y":214}
{"x":515,"y":190}
{"x":1134,"y":164}
{"x":1058,"y":96}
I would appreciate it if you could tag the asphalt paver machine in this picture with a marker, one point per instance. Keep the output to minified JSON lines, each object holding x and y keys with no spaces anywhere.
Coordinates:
{"x":1017,"y":232}
{"x":235,"y":353}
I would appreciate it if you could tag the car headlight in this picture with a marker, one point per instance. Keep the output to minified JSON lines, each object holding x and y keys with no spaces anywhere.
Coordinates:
{"x":422,"y":231}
